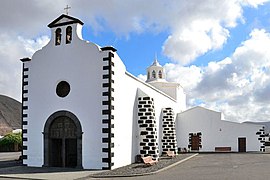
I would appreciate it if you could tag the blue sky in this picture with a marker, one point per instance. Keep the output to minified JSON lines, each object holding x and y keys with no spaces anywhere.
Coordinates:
{"x":217,"y":50}
{"x":138,"y":50}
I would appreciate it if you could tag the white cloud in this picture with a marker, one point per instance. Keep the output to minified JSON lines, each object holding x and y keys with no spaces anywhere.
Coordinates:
{"x":239,"y":85}
{"x":12,"y":49}
{"x":142,"y":77}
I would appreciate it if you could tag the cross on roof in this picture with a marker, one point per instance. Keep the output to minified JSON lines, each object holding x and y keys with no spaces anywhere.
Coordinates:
{"x":67,"y":8}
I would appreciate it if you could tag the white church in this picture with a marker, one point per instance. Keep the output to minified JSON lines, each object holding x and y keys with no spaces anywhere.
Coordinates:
{"x":82,"y":109}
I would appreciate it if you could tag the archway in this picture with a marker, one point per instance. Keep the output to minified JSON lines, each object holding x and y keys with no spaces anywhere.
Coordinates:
{"x":63,"y":140}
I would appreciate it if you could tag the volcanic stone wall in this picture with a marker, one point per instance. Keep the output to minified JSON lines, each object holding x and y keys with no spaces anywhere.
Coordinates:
{"x":169,"y":142}
{"x":147,"y":127}
{"x":261,"y":138}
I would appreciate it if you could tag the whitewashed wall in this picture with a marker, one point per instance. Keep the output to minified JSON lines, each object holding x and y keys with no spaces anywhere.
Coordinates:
{"x":80,"y":64}
{"x":125,"y":112}
{"x":215,"y":132}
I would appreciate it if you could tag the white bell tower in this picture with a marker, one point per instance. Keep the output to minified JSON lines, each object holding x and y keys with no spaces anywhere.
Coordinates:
{"x":155,"y":72}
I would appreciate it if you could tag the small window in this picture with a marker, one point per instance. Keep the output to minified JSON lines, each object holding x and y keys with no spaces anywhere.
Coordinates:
{"x":160,"y":74}
{"x":58,"y":36}
{"x":153,"y":74}
{"x":62,"y":89}
{"x":68,"y":35}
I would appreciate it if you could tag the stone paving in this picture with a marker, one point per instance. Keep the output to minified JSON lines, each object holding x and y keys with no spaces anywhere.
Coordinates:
{"x":138,"y":169}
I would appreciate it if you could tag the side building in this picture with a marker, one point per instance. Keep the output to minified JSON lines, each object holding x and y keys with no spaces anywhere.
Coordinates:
{"x":203,"y":130}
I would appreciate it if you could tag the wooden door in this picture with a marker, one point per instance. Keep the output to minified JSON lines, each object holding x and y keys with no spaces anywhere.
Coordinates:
{"x":71,"y":153}
{"x":195,"y":142}
{"x":56,"y":155}
{"x":241,"y":144}
{"x":63,"y":143}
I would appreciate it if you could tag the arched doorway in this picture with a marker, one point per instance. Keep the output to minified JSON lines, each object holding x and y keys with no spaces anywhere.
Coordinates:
{"x":63,"y":140}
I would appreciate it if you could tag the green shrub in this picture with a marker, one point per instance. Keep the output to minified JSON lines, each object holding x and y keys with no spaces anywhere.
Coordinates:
{"x":11,"y":142}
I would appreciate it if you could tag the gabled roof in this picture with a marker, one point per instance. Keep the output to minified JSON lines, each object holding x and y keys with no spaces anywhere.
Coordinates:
{"x":199,"y":107}
{"x":64,"y":20}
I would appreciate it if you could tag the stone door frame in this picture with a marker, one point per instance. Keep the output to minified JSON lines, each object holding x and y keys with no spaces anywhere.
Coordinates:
{"x":47,"y":138}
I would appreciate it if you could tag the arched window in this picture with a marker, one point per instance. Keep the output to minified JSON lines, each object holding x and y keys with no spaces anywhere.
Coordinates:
{"x":160,"y":74}
{"x":68,"y":35}
{"x":58,"y":36}
{"x":153,"y":74}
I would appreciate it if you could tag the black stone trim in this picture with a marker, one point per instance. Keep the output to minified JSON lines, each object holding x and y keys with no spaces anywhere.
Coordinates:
{"x":105,"y":140}
{"x":108,"y":48}
{"x":200,"y":139}
{"x":24,"y":99}
{"x":261,"y":135}
{"x":24,"y":156}
{"x":105,"y":102}
{"x":24,"y":139}
{"x":105,"y":160}
{"x":147,"y":129}
{"x":24,"y":147}
{"x":105,"y":121}
{"x":106,"y":67}
{"x":105,"y":130}
{"x":105,"y":94}
{"x":106,"y":76}
{"x":25,"y":59}
{"x":24,"y":131}
{"x":107,"y":111}
{"x":105,"y":84}
{"x":73,"y":20}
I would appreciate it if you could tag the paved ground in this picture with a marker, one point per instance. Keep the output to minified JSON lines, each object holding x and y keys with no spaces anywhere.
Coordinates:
{"x":225,"y":166}
{"x":4,"y":156}
{"x":220,"y":166}
{"x":9,"y":159}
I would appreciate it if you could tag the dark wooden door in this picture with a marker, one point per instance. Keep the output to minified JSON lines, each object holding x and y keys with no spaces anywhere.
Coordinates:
{"x":241,"y":144}
{"x":63,"y":143}
{"x":56,"y":153}
{"x":195,"y":142}
{"x":71,"y":152}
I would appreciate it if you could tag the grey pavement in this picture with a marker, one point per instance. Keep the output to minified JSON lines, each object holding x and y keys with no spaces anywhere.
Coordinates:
{"x":6,"y":156}
{"x":216,"y":166}
{"x":221,"y":166}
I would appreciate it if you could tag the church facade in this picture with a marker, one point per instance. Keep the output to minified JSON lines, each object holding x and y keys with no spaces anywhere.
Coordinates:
{"x":82,"y":109}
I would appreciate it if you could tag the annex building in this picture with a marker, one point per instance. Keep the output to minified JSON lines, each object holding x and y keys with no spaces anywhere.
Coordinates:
{"x":82,"y":109}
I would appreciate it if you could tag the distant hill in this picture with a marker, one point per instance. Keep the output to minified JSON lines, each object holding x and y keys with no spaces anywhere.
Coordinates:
{"x":10,"y":114}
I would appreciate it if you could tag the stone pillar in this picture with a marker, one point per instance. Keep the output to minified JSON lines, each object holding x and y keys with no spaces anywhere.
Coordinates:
{"x":147,"y":127}
{"x":169,"y":142}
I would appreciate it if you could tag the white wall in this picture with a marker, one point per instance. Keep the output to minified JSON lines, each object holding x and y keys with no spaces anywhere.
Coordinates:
{"x":125,"y":112}
{"x":80,"y":64}
{"x":215,"y":132}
